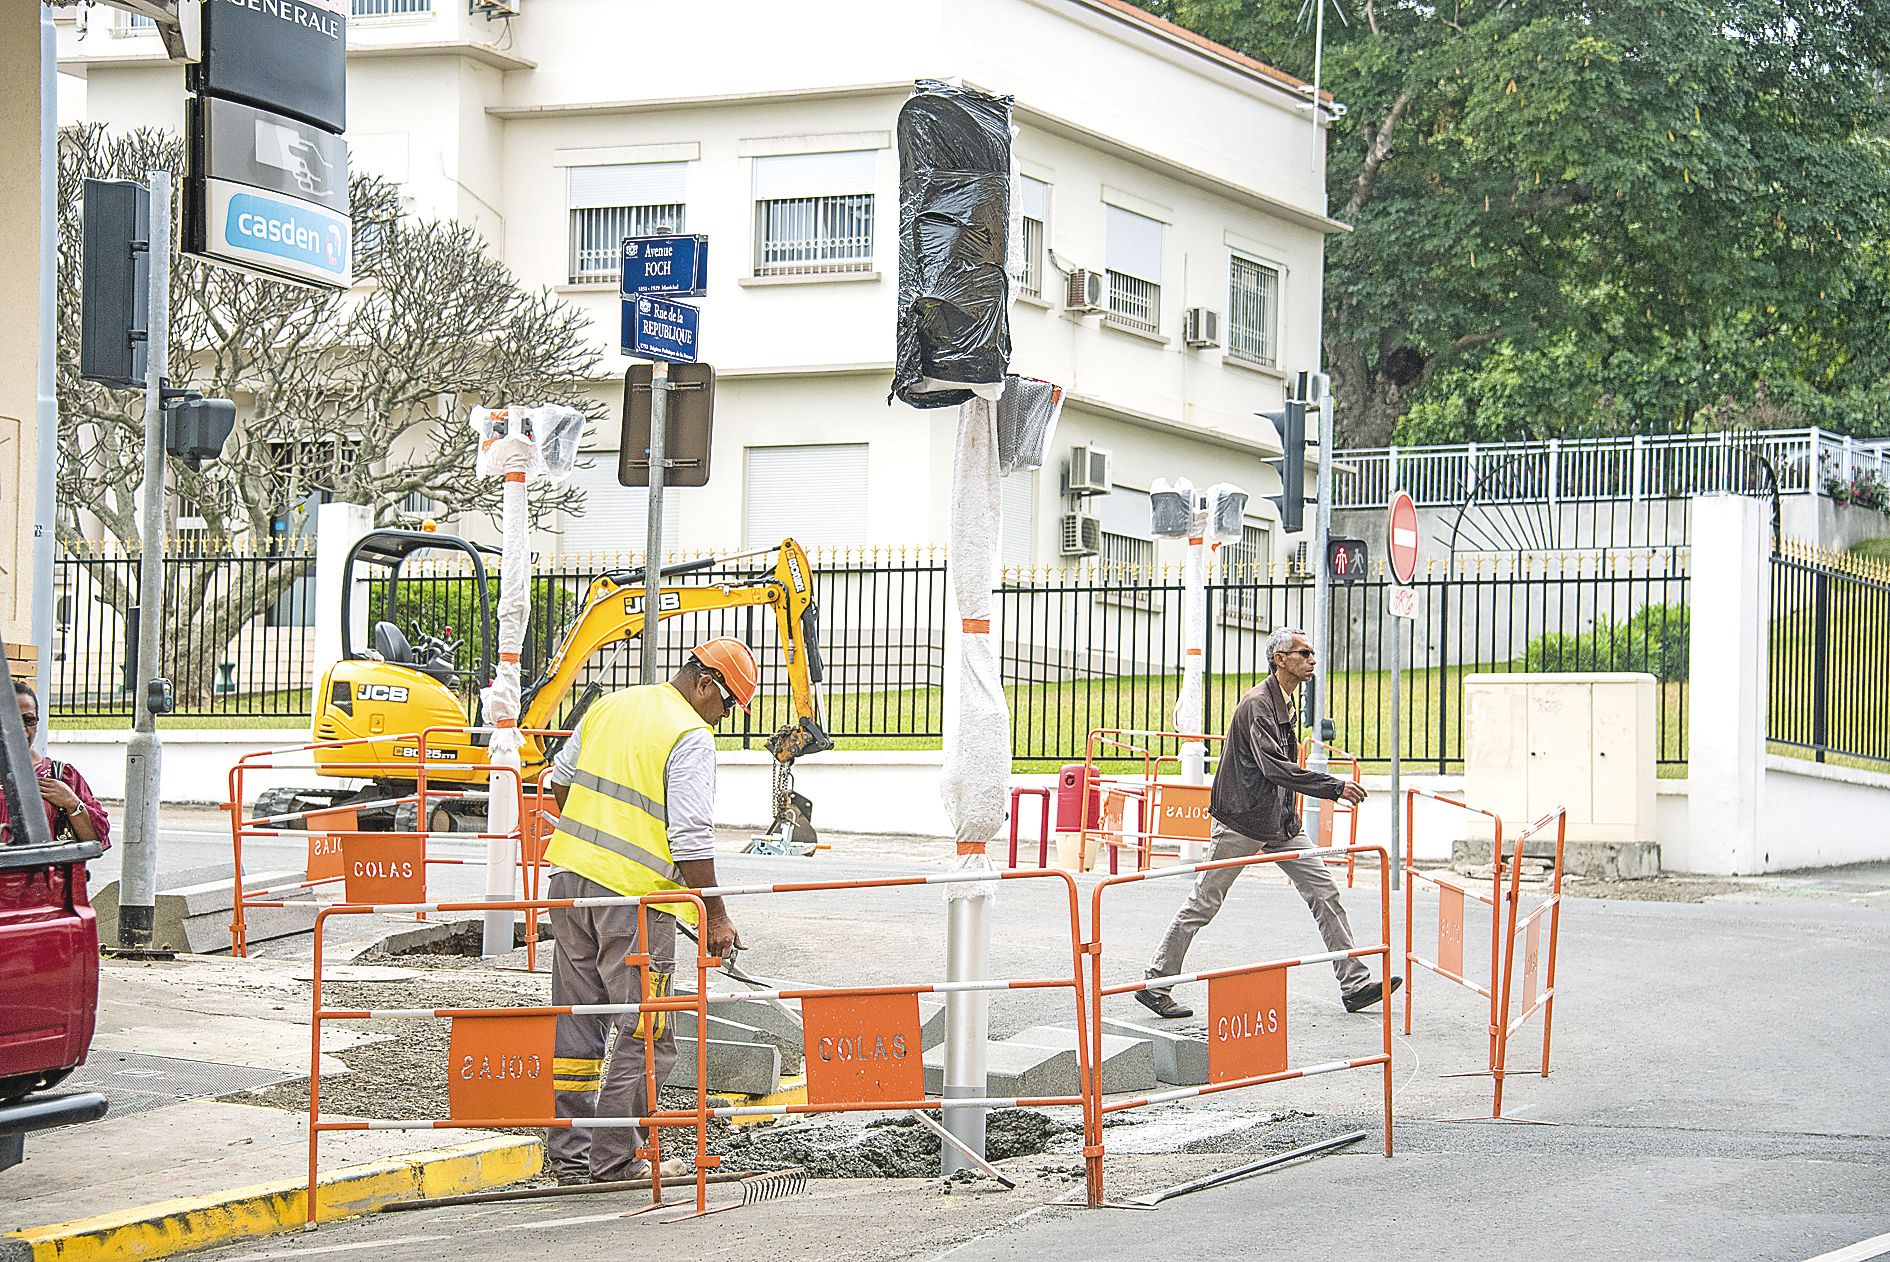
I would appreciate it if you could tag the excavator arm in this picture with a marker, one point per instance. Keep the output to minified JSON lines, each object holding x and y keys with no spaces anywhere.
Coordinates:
{"x":612,"y":612}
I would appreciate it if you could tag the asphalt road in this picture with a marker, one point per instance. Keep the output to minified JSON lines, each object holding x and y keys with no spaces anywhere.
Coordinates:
{"x":1716,"y":1093}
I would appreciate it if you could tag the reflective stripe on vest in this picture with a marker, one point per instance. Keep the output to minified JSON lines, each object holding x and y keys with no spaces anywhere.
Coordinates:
{"x":622,"y":792}
{"x":614,"y":828}
{"x":617,"y":845}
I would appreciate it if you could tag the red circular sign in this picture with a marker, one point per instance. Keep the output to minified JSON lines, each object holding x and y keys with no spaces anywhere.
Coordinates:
{"x":1401,"y":537}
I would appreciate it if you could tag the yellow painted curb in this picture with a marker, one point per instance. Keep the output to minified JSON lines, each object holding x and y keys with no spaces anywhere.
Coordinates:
{"x":793,"y":1091}
{"x":263,"y":1209}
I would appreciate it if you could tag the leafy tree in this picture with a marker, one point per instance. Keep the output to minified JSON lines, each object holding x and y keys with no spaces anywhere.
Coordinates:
{"x":363,"y":396}
{"x":1599,"y":216}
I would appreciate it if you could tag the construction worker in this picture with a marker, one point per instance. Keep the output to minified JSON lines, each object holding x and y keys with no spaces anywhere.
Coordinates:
{"x":635,"y":786}
{"x":1255,"y":808}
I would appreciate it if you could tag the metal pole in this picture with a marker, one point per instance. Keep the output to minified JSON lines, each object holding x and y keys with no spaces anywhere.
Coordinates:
{"x":652,"y":664}
{"x":967,"y":1021}
{"x":144,"y":756}
{"x":1397,"y":742}
{"x":1194,"y":632}
{"x":1318,"y":384}
{"x":45,"y":488}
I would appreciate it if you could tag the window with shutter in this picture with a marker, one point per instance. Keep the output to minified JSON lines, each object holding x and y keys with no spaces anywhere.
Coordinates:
{"x":814,"y":213}
{"x":1033,"y":198}
{"x":1019,"y":501}
{"x":609,"y":203}
{"x":1133,"y":249}
{"x":615,"y":519}
{"x":812,"y":493}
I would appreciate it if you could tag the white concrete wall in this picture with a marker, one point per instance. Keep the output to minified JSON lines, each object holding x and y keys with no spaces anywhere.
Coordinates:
{"x":1727,"y":696}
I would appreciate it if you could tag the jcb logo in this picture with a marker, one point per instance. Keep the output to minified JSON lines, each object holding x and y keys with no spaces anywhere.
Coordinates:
{"x":383,"y":692}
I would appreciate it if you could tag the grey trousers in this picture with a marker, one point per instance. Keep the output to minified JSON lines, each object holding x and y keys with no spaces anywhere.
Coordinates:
{"x":1310,"y":876}
{"x":588,"y":967}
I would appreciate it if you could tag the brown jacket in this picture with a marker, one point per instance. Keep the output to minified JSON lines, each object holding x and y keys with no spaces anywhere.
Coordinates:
{"x":1259,"y":775}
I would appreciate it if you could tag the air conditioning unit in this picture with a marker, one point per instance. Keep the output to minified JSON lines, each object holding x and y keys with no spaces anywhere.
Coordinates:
{"x":1201,"y":327}
{"x":1089,"y":472}
{"x":1082,"y":535}
{"x":494,"y":8}
{"x":1084,"y":291}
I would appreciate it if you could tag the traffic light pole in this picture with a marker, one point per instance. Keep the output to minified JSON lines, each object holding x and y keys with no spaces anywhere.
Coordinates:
{"x":144,"y":756}
{"x":1316,"y":702}
{"x":652,"y":660}
{"x":45,"y":486}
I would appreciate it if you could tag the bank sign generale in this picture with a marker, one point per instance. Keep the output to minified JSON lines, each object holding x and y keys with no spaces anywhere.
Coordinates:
{"x":268,"y":184}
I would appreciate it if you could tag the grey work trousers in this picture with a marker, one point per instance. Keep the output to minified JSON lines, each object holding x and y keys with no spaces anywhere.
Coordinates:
{"x":588,"y":967}
{"x":1310,"y":876}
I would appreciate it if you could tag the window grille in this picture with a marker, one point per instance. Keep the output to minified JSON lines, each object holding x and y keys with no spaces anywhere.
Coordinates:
{"x":597,"y":234}
{"x":1253,"y":312}
{"x":812,"y":235}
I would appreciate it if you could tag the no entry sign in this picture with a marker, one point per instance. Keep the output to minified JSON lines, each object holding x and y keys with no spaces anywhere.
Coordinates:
{"x":1401,"y":537}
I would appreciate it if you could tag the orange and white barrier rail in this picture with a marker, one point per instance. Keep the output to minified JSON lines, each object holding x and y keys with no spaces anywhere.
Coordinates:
{"x":1167,"y":811}
{"x":1248,"y":1040}
{"x":1329,"y":815}
{"x":369,"y":865}
{"x":862,"y":1043}
{"x":1503,"y":898}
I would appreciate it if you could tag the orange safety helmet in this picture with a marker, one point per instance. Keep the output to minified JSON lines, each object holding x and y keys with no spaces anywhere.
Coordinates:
{"x":730,"y":658}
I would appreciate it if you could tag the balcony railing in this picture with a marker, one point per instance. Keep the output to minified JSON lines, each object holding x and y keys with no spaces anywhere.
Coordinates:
{"x":390,"y":8}
{"x":812,"y":235}
{"x":1637,"y":467}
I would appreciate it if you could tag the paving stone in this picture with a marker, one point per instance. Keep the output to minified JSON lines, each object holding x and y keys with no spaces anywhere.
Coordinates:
{"x":192,"y":913}
{"x":1014,"y":1069}
{"x":1128,"y":1061}
{"x":779,"y":1028}
{"x":738,"y":1068}
{"x":728,"y":1031}
{"x":1180,"y":1059}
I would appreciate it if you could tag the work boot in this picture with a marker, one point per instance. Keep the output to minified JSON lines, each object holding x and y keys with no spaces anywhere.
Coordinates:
{"x":1370,"y":993}
{"x":673,"y":1168}
{"x":1162,"y":1004}
{"x":568,"y":1177}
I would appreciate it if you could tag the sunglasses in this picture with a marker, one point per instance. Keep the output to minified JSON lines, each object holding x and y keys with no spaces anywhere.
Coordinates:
{"x":728,"y":698}
{"x":29,"y":720}
{"x":1296,"y":652}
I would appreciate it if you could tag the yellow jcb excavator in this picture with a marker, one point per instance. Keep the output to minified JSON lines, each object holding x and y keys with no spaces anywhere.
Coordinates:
{"x":395,"y":687}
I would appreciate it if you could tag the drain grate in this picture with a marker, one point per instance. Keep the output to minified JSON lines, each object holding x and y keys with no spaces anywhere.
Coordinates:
{"x":134,"y":1082}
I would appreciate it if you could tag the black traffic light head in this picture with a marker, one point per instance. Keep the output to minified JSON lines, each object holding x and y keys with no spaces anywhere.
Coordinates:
{"x":1290,"y":420}
{"x":115,"y":283}
{"x":196,"y":429}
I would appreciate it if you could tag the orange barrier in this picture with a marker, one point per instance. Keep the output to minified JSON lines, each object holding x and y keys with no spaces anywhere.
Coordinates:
{"x":1502,"y":900}
{"x":862,"y":1043}
{"x":1534,"y":998}
{"x":1169,"y":810}
{"x":499,"y":1060}
{"x":1247,"y":1018}
{"x":1329,"y":814}
{"x":1043,"y":832}
{"x":370,"y":866}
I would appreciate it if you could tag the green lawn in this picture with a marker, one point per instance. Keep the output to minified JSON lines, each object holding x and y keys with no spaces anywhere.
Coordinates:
{"x":1873,"y":550}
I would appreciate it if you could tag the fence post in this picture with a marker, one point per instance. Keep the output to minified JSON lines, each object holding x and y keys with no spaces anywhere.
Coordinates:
{"x":1820,"y":660}
{"x":1470,"y":474}
{"x":1555,"y":472}
{"x":1638,"y":469}
{"x":1849,"y":460}
{"x":1727,"y":684}
{"x":338,"y":527}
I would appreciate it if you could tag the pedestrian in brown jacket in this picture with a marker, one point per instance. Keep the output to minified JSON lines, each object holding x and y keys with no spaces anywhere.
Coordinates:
{"x":1254,"y":806}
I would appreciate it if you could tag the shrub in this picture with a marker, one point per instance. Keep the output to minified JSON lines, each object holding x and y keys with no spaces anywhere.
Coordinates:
{"x":1654,"y":640}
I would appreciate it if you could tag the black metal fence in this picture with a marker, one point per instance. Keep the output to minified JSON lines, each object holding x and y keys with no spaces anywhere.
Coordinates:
{"x":238,"y":632}
{"x":1084,"y":647}
{"x":1830,"y":656}
{"x":1103,"y":647}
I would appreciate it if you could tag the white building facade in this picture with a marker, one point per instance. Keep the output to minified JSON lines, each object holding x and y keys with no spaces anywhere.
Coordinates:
{"x":1185,"y":175}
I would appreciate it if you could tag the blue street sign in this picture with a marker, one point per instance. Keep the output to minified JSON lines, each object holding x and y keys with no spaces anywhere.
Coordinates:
{"x":655,"y":328}
{"x":665,"y":265}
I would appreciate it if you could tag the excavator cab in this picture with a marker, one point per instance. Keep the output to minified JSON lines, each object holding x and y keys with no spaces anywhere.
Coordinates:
{"x":415,"y":659}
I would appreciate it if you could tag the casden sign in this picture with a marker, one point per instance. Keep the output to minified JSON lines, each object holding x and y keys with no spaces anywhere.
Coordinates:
{"x":285,"y":56}
{"x":275,"y":234}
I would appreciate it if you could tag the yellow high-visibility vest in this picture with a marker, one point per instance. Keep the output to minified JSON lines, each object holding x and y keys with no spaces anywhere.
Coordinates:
{"x":615,"y":825}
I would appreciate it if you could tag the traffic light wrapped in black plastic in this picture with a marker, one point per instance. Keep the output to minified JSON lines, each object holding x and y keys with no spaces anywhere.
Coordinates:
{"x":954,"y":235}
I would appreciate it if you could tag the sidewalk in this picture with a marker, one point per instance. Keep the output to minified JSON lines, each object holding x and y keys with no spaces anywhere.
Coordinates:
{"x":172,"y":1168}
